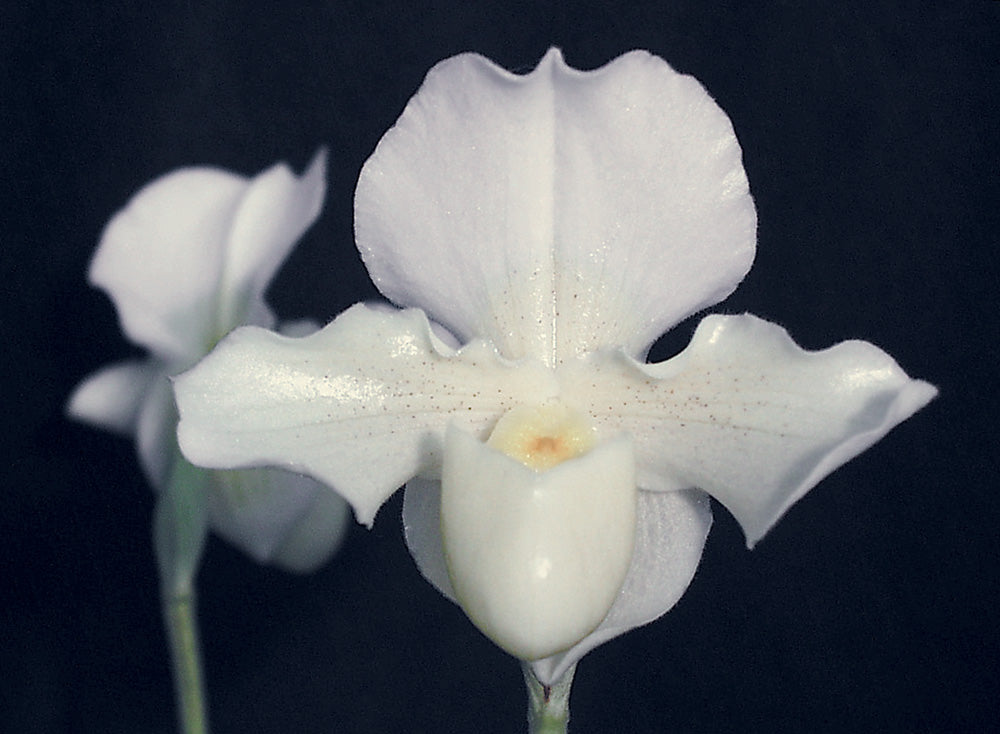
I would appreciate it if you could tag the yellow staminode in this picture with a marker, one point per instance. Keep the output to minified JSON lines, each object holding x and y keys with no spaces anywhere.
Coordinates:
{"x":542,"y":436}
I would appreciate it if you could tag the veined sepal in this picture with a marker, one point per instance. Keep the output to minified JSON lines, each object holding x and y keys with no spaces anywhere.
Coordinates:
{"x":537,"y":558}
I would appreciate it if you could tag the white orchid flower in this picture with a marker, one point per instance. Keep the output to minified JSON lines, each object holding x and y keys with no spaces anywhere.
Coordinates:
{"x":186,"y":261}
{"x":556,"y":485}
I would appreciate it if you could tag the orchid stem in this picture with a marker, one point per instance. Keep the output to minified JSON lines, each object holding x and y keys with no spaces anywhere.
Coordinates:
{"x":548,"y":706}
{"x":185,"y":654}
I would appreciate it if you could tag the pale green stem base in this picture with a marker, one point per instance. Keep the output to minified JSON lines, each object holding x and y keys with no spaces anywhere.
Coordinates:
{"x":548,"y":706}
{"x":185,"y":654}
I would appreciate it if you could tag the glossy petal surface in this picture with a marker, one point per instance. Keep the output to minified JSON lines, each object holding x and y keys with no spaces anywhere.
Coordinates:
{"x":745,"y":414}
{"x":556,"y":223}
{"x":557,"y":212}
{"x":536,"y":558}
{"x":360,"y":405}
{"x":670,"y":534}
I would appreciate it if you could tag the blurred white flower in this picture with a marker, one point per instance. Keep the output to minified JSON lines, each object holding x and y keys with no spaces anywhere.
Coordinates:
{"x":556,"y":224}
{"x":187,"y":260}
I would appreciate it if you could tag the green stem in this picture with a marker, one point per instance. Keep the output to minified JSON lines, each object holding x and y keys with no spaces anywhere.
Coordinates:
{"x":185,"y":653}
{"x":548,"y":706}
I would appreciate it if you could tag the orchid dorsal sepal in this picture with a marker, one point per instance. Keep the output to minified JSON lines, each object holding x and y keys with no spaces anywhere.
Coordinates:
{"x":537,"y":558}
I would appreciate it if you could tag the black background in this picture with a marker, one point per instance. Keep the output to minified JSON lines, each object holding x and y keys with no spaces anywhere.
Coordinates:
{"x":869,"y":138}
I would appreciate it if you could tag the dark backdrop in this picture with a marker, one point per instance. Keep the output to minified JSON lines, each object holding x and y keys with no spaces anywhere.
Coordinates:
{"x":869,"y":137}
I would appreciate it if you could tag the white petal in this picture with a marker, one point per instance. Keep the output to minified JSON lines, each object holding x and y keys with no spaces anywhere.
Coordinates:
{"x":277,"y":516}
{"x":110,"y":398}
{"x":557,"y":212}
{"x":422,"y":530}
{"x":298,"y":327}
{"x":160,"y":259}
{"x":360,"y":405}
{"x":445,"y":336}
{"x":745,"y":414}
{"x":273,"y":214}
{"x":316,"y":536}
{"x":156,"y":432}
{"x":189,"y":256}
{"x":536,"y":558}
{"x":671,"y":534}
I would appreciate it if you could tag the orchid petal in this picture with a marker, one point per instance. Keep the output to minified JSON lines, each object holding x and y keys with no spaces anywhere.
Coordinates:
{"x":537,"y":558}
{"x":111,"y":397}
{"x":156,"y":429}
{"x":317,"y":535}
{"x":670,"y":535}
{"x":558,"y":212}
{"x":422,"y":531}
{"x":189,"y":256}
{"x":298,"y":327}
{"x":745,"y":414}
{"x":273,"y":214}
{"x":361,"y":405}
{"x":160,"y":259}
{"x":264,"y":512}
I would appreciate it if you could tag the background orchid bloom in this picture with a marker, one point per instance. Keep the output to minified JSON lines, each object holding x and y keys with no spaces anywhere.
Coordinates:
{"x":187,"y":260}
{"x":556,"y":224}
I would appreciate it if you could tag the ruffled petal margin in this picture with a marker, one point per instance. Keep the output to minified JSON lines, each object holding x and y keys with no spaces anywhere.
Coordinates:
{"x":745,"y":414}
{"x":361,"y":405}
